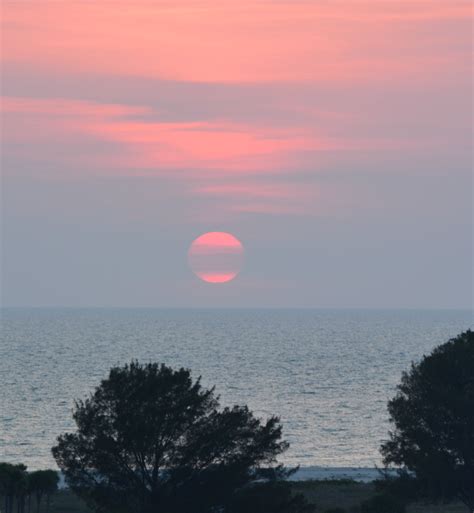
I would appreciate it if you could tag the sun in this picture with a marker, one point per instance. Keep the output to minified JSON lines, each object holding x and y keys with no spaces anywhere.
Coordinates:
{"x":216,"y":257}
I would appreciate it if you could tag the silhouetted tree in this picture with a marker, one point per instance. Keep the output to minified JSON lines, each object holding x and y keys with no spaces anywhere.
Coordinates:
{"x":13,"y":486}
{"x":433,"y":416}
{"x":150,"y":439}
{"x":42,"y":483}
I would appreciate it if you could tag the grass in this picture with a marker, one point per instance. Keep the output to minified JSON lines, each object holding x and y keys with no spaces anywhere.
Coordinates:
{"x":324,"y":494}
{"x":437,"y":508}
{"x":67,"y":502}
{"x":61,"y":502}
{"x":330,"y":494}
{"x":349,"y":495}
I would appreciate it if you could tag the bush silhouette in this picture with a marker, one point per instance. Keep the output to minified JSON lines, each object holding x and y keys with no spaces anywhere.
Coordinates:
{"x":13,"y":486}
{"x":433,"y":418}
{"x":150,"y":439}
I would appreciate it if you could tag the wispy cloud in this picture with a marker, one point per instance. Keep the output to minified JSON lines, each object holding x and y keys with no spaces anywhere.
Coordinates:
{"x":326,"y":134}
{"x":214,"y":95}
{"x":356,"y":40}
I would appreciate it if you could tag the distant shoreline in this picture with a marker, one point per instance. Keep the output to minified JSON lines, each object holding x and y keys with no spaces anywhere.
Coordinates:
{"x":314,"y":473}
{"x":360,"y":474}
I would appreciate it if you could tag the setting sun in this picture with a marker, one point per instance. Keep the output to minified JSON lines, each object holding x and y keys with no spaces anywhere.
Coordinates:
{"x":216,"y":257}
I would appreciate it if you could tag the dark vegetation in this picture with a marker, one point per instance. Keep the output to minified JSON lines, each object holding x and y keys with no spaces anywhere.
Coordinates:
{"x":150,"y":439}
{"x":433,"y":418}
{"x":327,"y":496}
{"x":23,"y":491}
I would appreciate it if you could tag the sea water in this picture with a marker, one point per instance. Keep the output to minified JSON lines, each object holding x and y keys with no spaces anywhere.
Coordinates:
{"x":327,"y":374}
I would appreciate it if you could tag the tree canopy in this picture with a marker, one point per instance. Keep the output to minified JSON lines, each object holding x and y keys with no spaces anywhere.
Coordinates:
{"x":433,"y":418}
{"x":42,"y":483}
{"x":17,"y":487}
{"x":151,"y":439}
{"x":13,"y":486}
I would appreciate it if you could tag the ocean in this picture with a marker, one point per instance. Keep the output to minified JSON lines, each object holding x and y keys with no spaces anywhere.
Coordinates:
{"x":327,"y":374}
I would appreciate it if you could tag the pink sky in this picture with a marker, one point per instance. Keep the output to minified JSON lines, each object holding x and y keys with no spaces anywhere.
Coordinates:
{"x":248,"y":41}
{"x":265,"y":108}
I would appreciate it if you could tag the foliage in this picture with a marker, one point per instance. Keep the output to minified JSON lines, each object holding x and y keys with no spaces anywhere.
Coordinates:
{"x":152,"y":439}
{"x":383,"y":503}
{"x":404,"y":485}
{"x":42,"y":483}
{"x":13,"y":486}
{"x":433,"y":417}
{"x":274,"y":497}
{"x":17,"y":486}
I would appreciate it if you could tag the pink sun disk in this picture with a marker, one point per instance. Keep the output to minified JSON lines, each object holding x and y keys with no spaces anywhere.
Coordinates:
{"x":217,"y":240}
{"x":217,"y":277}
{"x":216,"y":257}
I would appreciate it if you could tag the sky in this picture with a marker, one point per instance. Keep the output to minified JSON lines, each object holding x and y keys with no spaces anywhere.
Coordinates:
{"x":331,"y":137}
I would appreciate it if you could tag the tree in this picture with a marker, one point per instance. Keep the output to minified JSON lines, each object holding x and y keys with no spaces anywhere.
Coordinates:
{"x":13,"y":486}
{"x":42,"y":483}
{"x":150,"y":439}
{"x":17,"y":485}
{"x":433,"y":418}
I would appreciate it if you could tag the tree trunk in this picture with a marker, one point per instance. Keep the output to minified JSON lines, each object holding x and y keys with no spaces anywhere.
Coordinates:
{"x":38,"y":501}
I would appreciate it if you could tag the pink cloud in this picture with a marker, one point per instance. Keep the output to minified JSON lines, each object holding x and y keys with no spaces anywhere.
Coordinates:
{"x":205,"y":148}
{"x":214,"y":146}
{"x":213,"y":159}
{"x":247,"y":190}
{"x":59,"y":107}
{"x":35,"y":120}
{"x":246,"y":41}
{"x":263,"y":197}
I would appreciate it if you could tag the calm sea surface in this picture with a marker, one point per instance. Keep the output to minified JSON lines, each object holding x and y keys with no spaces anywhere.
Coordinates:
{"x":327,"y":374}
